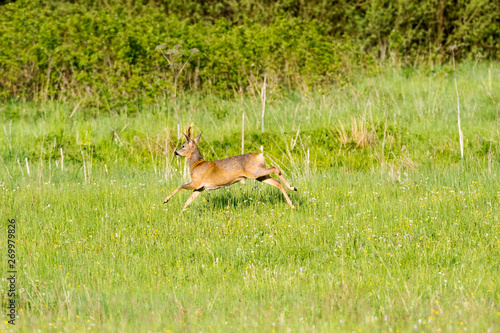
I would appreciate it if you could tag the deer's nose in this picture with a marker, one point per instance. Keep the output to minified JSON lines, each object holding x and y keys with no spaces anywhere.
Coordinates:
{"x":176,"y":154}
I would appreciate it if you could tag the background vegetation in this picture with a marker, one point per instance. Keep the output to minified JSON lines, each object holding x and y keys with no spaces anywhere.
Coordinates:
{"x":395,"y":120}
{"x":394,"y":231}
{"x":104,"y":53}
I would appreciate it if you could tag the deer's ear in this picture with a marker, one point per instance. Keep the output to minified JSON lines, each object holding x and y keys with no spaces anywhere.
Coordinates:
{"x":187,"y":138}
{"x":198,"y":137}
{"x":188,"y":131}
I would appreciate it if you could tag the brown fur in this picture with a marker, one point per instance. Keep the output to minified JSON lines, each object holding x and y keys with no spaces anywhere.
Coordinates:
{"x":211,"y":175}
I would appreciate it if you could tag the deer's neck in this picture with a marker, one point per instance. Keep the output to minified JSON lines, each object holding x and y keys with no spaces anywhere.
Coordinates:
{"x":195,"y":157}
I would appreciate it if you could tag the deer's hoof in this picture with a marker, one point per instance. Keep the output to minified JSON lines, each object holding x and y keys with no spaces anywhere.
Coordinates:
{"x":295,"y":189}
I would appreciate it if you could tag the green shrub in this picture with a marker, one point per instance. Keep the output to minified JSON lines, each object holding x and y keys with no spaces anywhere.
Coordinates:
{"x":104,"y":54}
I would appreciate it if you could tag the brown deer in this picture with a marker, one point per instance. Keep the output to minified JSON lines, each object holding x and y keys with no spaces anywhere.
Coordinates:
{"x":211,"y":175}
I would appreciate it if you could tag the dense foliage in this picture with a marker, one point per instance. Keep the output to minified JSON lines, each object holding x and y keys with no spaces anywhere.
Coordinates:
{"x":105,"y":53}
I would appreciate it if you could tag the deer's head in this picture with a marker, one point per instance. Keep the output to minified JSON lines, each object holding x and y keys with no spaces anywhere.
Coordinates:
{"x":190,"y":146}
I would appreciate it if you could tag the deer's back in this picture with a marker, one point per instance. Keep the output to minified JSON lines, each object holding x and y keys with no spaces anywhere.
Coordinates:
{"x":225,"y":172}
{"x":245,"y":162}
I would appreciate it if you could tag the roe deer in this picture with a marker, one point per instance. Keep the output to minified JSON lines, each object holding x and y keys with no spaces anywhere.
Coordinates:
{"x":211,"y":175}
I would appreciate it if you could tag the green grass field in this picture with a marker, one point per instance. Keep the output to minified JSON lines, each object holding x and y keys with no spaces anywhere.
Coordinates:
{"x":393,"y":230}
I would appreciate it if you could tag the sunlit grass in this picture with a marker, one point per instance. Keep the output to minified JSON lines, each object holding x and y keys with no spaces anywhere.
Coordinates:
{"x":392,"y":231}
{"x":360,"y":252}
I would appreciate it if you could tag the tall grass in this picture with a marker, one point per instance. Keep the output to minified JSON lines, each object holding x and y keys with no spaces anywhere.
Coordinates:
{"x":392,"y":231}
{"x":378,"y":121}
{"x":361,"y":251}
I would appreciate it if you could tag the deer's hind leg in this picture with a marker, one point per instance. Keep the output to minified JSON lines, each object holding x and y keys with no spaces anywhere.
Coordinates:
{"x":274,"y":169}
{"x":291,"y":188}
{"x":273,"y":182}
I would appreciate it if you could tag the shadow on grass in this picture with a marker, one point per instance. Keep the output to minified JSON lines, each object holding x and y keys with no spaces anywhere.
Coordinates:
{"x":248,"y":196}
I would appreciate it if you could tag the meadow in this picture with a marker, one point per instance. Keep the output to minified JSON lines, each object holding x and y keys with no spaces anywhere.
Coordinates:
{"x":393,"y":231}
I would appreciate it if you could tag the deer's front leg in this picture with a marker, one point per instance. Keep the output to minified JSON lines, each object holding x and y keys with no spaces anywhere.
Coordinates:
{"x":192,"y":197}
{"x":182,"y":187}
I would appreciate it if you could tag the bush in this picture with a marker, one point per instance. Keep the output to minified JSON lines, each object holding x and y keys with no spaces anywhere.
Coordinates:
{"x":104,"y":54}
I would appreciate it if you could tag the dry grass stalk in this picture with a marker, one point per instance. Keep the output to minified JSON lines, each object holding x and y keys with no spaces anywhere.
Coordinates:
{"x":263,"y":100}
{"x":453,"y":48}
{"x":343,"y":136}
{"x":360,"y":134}
{"x":243,"y":133}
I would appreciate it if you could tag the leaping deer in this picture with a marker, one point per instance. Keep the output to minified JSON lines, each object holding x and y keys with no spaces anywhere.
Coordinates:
{"x":211,"y":175}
